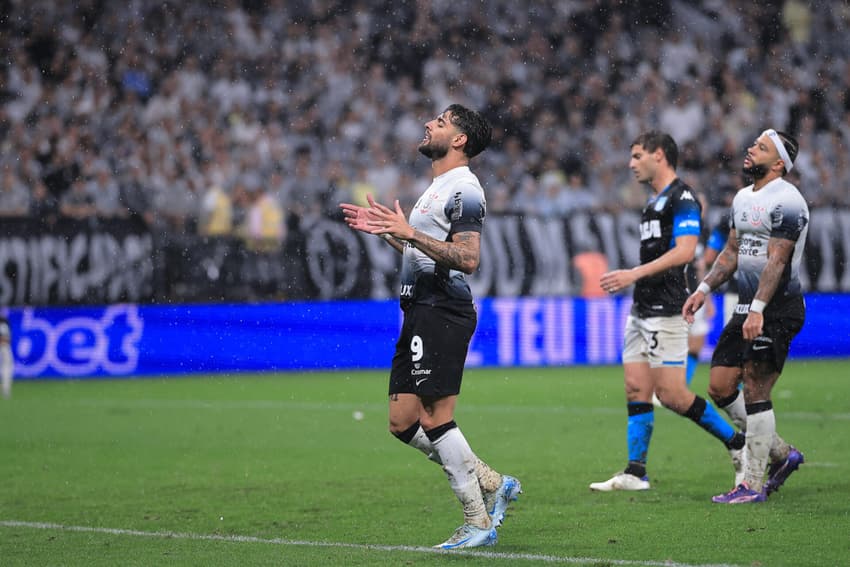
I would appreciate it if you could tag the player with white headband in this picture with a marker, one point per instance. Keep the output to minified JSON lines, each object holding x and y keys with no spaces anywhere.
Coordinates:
{"x":769,"y":223}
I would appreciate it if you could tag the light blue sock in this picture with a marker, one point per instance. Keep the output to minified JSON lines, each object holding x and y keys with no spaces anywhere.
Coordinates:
{"x":704,"y":415}
{"x":639,"y":430}
{"x":691,"y":368}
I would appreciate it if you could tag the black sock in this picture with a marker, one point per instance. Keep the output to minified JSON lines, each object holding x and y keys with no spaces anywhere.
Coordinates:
{"x":637,"y":469}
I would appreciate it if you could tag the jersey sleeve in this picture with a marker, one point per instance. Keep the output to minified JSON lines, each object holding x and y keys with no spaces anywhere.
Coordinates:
{"x":466,"y":209}
{"x":788,"y":221}
{"x":686,"y":217}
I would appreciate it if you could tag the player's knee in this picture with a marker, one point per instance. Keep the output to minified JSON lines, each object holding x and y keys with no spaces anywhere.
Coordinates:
{"x":674,"y":396}
{"x":403,"y":428}
{"x":719,"y":392}
{"x":721,"y":386}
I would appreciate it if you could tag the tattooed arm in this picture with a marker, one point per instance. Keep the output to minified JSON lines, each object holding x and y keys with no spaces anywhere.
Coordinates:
{"x":723,"y":269}
{"x":779,"y":252}
{"x":463,"y":253}
{"x":726,"y":263}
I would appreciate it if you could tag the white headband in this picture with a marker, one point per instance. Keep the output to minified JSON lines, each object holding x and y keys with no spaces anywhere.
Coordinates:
{"x":780,"y":147}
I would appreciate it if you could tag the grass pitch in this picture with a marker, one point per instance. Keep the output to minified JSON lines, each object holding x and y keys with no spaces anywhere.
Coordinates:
{"x":276,"y":469}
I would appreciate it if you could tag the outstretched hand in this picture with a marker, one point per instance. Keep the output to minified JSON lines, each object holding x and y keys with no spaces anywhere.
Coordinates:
{"x":356,"y":216}
{"x":378,"y":219}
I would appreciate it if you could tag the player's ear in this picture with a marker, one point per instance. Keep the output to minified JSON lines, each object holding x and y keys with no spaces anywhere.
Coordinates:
{"x":459,"y":140}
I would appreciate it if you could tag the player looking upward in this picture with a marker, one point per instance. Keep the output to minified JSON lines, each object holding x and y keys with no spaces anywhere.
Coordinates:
{"x":439,"y":244}
{"x":764,"y":249}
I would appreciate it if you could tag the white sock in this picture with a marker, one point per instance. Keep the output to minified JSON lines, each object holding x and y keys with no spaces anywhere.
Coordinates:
{"x":488,"y":479}
{"x":420,"y":441}
{"x":459,"y":463}
{"x":7,"y":364}
{"x":779,"y":449}
{"x":737,"y":411}
{"x":761,"y":429}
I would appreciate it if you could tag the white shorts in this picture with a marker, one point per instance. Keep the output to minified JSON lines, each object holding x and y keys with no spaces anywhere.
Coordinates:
{"x":658,"y":341}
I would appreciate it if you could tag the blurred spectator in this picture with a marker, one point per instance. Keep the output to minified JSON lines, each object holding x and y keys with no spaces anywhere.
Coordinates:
{"x":77,"y":203}
{"x":262,"y":231}
{"x":14,"y":196}
{"x":106,"y":195}
{"x":262,"y":228}
{"x":316,"y":97}
{"x":216,"y":216}
{"x":43,"y":207}
{"x":301,"y":190}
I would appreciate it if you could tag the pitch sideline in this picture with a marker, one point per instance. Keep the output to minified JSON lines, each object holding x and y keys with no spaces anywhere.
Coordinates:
{"x":388,"y":548}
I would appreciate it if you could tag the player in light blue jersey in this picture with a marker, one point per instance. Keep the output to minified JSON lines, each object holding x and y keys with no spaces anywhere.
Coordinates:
{"x":440,"y":243}
{"x":767,"y":235}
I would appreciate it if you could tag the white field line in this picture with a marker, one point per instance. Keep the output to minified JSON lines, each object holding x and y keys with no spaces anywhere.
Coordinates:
{"x":380,"y":406}
{"x":372,"y":547}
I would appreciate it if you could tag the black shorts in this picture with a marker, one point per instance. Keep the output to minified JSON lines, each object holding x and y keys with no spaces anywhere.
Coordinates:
{"x":772,"y":346}
{"x":431,"y":352}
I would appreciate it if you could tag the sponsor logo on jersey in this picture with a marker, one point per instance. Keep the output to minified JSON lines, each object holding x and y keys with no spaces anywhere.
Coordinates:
{"x":686,"y":195}
{"x":650,"y":229}
{"x":457,"y":209}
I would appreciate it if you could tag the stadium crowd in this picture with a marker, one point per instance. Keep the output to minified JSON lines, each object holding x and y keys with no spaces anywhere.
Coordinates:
{"x":246,"y":118}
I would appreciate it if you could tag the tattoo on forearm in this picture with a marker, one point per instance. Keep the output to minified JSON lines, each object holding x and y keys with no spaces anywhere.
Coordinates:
{"x":723,"y":269}
{"x":461,"y":254}
{"x":779,"y":252}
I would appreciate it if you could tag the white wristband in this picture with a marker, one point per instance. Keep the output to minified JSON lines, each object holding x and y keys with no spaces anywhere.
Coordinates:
{"x":386,"y":236}
{"x":757,"y":306}
{"x":704,"y":288}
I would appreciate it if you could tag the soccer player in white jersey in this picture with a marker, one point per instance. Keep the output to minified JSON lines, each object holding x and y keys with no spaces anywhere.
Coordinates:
{"x":439,"y":244}
{"x":7,"y":363}
{"x":768,"y":232}
{"x":656,"y":338}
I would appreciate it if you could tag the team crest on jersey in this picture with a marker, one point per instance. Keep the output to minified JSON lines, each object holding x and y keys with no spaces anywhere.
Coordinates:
{"x":756,"y":215}
{"x":659,"y":204}
{"x":424,"y":203}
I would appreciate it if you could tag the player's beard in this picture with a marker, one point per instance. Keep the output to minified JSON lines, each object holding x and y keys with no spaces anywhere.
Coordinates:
{"x":756,"y":172}
{"x":433,"y":151}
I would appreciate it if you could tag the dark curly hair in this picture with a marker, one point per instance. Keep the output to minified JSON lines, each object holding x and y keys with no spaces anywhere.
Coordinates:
{"x":477,"y":129}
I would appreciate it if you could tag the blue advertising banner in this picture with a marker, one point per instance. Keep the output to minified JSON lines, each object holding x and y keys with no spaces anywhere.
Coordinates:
{"x":129,"y":340}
